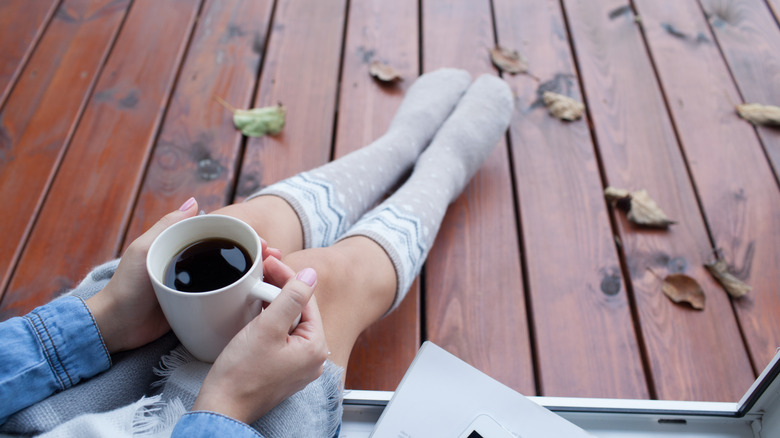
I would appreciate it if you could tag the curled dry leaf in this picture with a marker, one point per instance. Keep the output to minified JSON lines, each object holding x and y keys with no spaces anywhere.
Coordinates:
{"x":563,"y":107}
{"x":734,"y":286}
{"x":682,"y":288}
{"x":384,"y":72}
{"x":614,"y":194}
{"x":257,"y":122}
{"x":644,"y":211}
{"x":641,"y":208}
{"x":508,"y":60}
{"x":758,"y":114}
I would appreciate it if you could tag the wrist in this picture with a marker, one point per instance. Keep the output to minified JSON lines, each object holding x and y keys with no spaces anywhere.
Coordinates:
{"x":222,"y":405}
{"x":102,"y":309}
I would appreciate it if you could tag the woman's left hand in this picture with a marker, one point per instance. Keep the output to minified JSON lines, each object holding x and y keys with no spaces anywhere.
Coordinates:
{"x":126,"y":310}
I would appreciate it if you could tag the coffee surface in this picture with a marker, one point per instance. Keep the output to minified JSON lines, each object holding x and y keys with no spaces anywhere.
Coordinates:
{"x":207,"y":265}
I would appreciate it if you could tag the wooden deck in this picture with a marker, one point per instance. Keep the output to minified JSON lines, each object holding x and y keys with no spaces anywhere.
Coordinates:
{"x":107,"y":121}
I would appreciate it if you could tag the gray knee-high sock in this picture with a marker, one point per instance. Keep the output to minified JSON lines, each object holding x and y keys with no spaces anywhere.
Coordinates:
{"x":406,"y":224}
{"x":330,"y":198}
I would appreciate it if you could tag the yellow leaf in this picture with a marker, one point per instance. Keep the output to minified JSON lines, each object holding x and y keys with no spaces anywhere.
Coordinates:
{"x":758,"y":114}
{"x":508,"y":60}
{"x":640,"y":207}
{"x":563,"y":107}
{"x":384,"y":72}
{"x":734,"y":286}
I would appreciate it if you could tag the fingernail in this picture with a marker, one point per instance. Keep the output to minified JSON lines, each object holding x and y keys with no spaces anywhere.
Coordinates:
{"x":187,"y":204}
{"x":308,"y":276}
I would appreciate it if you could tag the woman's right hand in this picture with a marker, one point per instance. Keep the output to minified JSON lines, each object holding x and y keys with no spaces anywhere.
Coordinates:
{"x":265,"y":363}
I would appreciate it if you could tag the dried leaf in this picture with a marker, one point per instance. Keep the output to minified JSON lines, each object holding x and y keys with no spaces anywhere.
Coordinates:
{"x":257,"y":122}
{"x":758,"y":114}
{"x":614,"y":194}
{"x":734,"y":286}
{"x":563,"y":107}
{"x":508,"y":60}
{"x":682,"y":288}
{"x":644,"y":211}
{"x":384,"y":72}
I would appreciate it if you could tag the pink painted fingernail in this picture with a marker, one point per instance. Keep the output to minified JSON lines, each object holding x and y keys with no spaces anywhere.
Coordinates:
{"x":308,"y":276}
{"x":187,"y":204}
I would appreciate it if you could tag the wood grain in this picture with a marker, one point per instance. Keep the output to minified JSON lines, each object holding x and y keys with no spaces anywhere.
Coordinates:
{"x":301,"y":72}
{"x":83,"y":219}
{"x":639,"y":149}
{"x":22,"y":23}
{"x":197,"y":151}
{"x":748,"y":35}
{"x":741,"y":202}
{"x":387,"y":32}
{"x":43,"y":110}
{"x":582,"y":317}
{"x":474,"y":297}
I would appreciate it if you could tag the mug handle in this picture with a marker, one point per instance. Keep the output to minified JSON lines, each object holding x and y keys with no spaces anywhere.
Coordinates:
{"x":268,"y":292}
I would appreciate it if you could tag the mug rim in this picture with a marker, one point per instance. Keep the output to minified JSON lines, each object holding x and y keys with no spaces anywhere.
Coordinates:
{"x":255,"y":262}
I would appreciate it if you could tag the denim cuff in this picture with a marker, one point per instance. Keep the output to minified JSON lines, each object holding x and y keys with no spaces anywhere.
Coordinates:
{"x":70,"y":339}
{"x":210,"y":424}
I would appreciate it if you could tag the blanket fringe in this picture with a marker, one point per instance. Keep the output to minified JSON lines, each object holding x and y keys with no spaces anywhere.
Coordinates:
{"x":177,"y":357}
{"x":157,"y":418}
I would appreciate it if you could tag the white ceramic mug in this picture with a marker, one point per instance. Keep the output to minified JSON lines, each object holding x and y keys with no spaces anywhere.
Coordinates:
{"x":206,"y":321}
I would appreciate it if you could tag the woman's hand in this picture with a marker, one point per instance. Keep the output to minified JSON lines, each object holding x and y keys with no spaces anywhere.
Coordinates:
{"x":265,"y":363}
{"x":126,"y":310}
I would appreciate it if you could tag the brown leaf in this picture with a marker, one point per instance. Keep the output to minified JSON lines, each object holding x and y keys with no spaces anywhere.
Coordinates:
{"x":384,"y":72}
{"x":614,"y":194}
{"x":758,"y":114}
{"x":642,"y":210}
{"x":734,"y":286}
{"x":682,"y":288}
{"x":508,"y":60}
{"x":563,"y":107}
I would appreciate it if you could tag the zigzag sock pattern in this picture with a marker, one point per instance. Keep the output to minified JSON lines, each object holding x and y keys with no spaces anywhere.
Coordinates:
{"x":329,"y":199}
{"x":406,"y":224}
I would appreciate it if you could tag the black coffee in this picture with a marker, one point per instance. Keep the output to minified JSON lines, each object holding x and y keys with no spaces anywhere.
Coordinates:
{"x":207,"y":265}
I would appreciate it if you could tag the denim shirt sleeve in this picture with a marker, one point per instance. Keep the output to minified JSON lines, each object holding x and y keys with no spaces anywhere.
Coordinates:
{"x":48,"y":350}
{"x":210,"y":424}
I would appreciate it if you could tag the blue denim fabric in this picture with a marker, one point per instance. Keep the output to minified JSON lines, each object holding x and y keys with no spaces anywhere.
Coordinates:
{"x":210,"y":424}
{"x":48,"y":350}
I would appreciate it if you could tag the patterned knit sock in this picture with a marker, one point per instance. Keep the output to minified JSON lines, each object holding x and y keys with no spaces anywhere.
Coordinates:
{"x":329,"y":199}
{"x":406,"y":224}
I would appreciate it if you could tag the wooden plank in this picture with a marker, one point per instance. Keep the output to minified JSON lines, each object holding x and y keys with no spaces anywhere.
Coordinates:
{"x":388,"y":32}
{"x":83,"y":219}
{"x":22,"y":23}
{"x":565,"y":223}
{"x":196,"y":152}
{"x":474,"y":297}
{"x":734,"y":180}
{"x":748,"y":35}
{"x":43,"y":110}
{"x":301,"y":71}
{"x":639,"y":149}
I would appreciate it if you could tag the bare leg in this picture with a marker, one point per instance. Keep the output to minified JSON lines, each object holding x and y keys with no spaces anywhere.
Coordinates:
{"x":356,"y":279}
{"x":356,"y":286}
{"x":273,"y":219}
